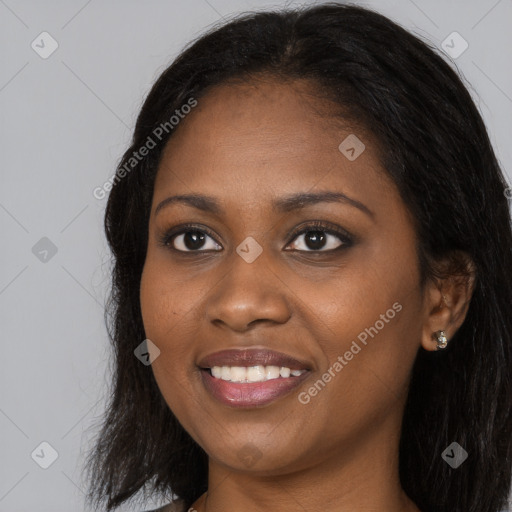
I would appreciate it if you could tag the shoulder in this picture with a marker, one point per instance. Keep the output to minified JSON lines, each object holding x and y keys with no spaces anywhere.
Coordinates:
{"x":174,"y":506}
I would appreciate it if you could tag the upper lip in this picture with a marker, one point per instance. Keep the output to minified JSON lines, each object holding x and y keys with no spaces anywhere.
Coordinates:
{"x":252,"y":357}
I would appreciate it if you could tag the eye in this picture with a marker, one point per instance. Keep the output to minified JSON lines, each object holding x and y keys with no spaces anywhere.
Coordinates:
{"x":321,"y":237}
{"x":192,"y":238}
{"x":189,"y":239}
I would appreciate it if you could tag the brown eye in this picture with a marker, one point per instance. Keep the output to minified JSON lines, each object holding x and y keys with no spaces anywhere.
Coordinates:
{"x":321,"y":237}
{"x":318,"y":240}
{"x":190,"y":239}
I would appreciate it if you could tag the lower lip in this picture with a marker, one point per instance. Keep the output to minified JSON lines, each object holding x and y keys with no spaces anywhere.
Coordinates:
{"x":250,"y":394}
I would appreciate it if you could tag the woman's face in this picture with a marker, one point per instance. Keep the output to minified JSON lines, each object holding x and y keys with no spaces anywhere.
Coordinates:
{"x":347,"y":307}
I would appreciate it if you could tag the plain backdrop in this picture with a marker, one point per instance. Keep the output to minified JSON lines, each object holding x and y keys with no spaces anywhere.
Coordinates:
{"x":65,"y":121}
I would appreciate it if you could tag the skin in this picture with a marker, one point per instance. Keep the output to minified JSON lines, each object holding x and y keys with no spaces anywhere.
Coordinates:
{"x":246,"y":145}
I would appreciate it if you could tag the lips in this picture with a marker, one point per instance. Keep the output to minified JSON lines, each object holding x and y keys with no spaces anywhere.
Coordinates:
{"x":252,"y":357}
{"x":252,"y":394}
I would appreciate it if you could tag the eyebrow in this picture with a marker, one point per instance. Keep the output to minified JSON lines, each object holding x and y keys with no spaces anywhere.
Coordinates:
{"x":284,"y":204}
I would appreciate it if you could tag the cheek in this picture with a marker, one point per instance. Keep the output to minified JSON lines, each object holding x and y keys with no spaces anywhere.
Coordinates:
{"x":166,"y":300}
{"x":167,"y":314}
{"x":367,"y":330}
{"x":370,"y":316}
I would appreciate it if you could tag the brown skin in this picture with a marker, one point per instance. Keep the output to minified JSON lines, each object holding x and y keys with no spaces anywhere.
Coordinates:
{"x":247,"y":145}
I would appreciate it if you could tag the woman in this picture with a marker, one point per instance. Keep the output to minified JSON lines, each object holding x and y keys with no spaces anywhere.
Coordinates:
{"x":311,"y":288}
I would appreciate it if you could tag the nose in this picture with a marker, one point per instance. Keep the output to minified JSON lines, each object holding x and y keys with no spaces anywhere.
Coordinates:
{"x":249,"y":293}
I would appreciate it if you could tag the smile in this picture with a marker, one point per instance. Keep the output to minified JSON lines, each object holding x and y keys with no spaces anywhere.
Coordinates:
{"x":253,"y":373}
{"x":235,"y":387}
{"x":251,"y":377}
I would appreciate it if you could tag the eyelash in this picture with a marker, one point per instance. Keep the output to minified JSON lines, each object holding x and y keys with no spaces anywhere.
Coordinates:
{"x":325,"y":227}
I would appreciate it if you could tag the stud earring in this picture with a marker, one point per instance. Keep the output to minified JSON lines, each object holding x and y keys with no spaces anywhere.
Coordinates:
{"x":441,"y":339}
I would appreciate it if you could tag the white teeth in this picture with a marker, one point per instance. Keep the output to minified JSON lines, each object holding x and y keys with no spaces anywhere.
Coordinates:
{"x":226,"y":373}
{"x":272,"y":372}
{"x":238,"y":373}
{"x":284,"y":372}
{"x":257,"y":373}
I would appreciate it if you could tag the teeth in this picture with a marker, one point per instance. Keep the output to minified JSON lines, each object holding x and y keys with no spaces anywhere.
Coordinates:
{"x":284,"y":372}
{"x":271,"y":372}
{"x":253,"y":373}
{"x":237,"y":373}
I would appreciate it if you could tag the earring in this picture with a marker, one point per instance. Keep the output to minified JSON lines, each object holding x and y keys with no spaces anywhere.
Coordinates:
{"x":441,"y":339}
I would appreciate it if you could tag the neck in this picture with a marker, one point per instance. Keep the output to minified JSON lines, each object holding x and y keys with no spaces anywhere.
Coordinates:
{"x":357,"y":476}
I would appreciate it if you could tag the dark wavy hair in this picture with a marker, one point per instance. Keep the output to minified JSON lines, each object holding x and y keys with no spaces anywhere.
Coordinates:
{"x":435,"y":147}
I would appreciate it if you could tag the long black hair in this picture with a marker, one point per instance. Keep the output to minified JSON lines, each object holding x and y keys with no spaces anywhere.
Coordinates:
{"x":434,"y":145}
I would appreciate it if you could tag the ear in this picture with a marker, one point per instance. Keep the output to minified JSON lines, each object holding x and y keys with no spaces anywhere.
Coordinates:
{"x":447,"y":298}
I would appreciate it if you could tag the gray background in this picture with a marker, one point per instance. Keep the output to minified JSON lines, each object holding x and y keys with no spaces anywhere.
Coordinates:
{"x":65,"y":121}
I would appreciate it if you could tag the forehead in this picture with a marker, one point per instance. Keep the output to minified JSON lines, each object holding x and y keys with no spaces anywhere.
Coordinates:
{"x":259,"y":139}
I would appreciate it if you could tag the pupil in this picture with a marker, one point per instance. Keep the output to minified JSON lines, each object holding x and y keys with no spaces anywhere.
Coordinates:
{"x":193,"y":239}
{"x":317,"y":238}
